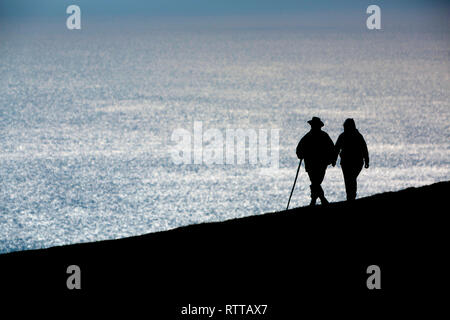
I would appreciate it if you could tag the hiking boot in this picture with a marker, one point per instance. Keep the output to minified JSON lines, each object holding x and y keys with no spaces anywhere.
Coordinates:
{"x":313,"y":196}
{"x":321,"y":196}
{"x":324,"y":201}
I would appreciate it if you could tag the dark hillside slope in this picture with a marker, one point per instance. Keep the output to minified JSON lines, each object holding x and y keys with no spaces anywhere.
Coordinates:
{"x":309,"y":258}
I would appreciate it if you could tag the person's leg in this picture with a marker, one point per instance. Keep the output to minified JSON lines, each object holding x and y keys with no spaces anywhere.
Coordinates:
{"x":355,"y":173}
{"x":320,"y":193}
{"x":351,"y":194}
{"x":351,"y":173}
{"x":347,"y":181}
{"x":312,"y":177}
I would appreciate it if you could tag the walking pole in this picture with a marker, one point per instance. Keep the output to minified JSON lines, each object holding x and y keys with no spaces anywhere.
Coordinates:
{"x":298,"y":169}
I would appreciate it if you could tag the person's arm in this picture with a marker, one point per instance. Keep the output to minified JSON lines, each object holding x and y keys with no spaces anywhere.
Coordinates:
{"x":337,"y":147}
{"x":331,"y":151}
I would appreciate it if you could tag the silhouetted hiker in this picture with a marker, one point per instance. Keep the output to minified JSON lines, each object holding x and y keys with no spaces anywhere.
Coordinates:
{"x":317,"y":149}
{"x":353,"y":150}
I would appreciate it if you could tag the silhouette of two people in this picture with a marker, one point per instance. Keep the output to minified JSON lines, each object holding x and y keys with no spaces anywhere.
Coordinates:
{"x":318,"y":151}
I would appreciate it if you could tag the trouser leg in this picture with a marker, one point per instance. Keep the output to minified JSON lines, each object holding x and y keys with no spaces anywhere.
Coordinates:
{"x":313,"y":187}
{"x":316,"y":176}
{"x":321,"y":195}
{"x":350,"y":185}
{"x":313,"y":195}
{"x":350,"y":178}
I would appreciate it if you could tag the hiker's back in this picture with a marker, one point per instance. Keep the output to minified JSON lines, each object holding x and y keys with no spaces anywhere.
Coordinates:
{"x":316,"y":148}
{"x":352,"y":147}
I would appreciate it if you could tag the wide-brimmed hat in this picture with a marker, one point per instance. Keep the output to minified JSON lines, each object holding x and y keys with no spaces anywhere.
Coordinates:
{"x":315,"y":121}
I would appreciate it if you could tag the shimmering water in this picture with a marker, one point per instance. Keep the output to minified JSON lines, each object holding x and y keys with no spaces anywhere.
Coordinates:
{"x":86,"y":120}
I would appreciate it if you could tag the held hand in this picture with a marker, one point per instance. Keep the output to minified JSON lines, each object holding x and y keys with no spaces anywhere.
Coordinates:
{"x":366,"y":165}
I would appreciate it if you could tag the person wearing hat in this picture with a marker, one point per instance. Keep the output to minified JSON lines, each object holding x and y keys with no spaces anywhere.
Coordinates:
{"x":317,"y":150}
{"x":352,"y":148}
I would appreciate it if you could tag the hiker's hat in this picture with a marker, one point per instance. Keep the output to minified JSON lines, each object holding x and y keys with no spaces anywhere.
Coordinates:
{"x":315,"y":121}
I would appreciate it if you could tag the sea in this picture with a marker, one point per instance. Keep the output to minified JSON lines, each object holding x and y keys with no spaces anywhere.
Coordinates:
{"x":90,"y":118}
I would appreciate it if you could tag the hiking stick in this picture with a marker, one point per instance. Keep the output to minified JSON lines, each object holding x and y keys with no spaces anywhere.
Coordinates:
{"x":292,"y":191}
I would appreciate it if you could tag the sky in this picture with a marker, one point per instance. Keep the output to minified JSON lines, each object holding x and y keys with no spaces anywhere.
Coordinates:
{"x":42,"y":8}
